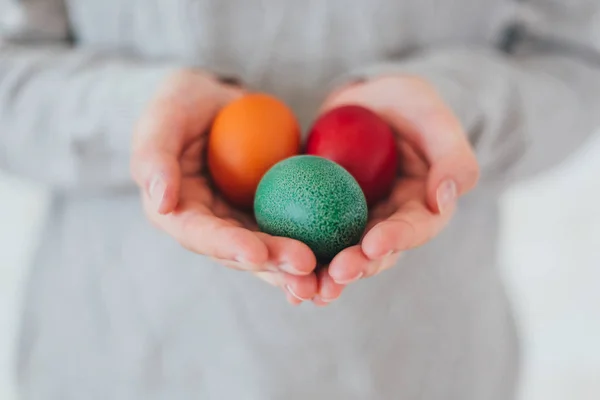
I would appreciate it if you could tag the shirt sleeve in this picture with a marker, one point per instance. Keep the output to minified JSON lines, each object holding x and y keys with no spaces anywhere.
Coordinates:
{"x":528,"y":105}
{"x":66,"y":115}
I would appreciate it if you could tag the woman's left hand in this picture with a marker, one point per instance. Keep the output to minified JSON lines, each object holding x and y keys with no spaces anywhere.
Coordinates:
{"x":437,"y":166}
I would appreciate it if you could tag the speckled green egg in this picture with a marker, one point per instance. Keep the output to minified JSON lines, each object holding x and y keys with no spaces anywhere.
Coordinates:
{"x":313,"y":200}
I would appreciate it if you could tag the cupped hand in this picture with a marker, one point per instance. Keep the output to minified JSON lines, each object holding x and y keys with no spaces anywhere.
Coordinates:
{"x":437,"y":166}
{"x":169,"y":166}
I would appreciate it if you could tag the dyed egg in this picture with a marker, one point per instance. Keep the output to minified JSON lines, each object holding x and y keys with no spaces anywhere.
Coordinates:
{"x":361,"y":142}
{"x":248,"y":137}
{"x":313,"y":200}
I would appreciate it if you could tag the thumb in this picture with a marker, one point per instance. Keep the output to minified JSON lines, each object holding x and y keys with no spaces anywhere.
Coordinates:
{"x":451,"y":175}
{"x":181,"y":112}
{"x":420,"y":116}
{"x":154,"y":162}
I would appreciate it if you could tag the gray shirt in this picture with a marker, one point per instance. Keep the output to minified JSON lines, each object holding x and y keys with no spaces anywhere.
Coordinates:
{"x":117,"y":310}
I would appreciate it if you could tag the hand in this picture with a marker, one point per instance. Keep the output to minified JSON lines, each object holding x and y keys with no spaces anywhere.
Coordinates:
{"x":437,"y":165}
{"x":169,"y":167}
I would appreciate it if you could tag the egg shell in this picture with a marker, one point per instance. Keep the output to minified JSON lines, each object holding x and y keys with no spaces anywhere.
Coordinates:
{"x":248,"y":137}
{"x":360,"y":141}
{"x":313,"y":200}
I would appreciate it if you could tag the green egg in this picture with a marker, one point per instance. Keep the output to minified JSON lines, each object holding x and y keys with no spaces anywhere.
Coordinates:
{"x":313,"y":200}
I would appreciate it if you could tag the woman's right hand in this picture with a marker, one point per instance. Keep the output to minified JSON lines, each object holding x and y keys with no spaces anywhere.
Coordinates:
{"x":168,"y":165}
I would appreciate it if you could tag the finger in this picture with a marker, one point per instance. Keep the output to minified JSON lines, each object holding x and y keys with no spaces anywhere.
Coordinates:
{"x":158,"y":142}
{"x":411,"y":226}
{"x":276,"y":279}
{"x":272,"y":278}
{"x":384,"y":264}
{"x":289,"y":255}
{"x":177,"y":114}
{"x":159,"y":176}
{"x":300,"y":288}
{"x":293,"y":300}
{"x":195,"y":228}
{"x":420,"y":116}
{"x":329,"y":290}
{"x":450,"y":178}
{"x":349,"y":265}
{"x":297,"y":288}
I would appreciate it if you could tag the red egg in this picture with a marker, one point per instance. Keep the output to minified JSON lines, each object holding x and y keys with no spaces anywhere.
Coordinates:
{"x":360,"y":141}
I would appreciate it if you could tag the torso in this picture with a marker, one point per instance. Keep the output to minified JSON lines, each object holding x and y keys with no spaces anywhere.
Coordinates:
{"x":294,"y":49}
{"x":117,"y":310}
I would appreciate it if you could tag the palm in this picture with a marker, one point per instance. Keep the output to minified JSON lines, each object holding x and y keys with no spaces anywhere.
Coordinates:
{"x":201,"y":205}
{"x":197,"y":192}
{"x":400,"y":222}
{"x":168,"y":162}
{"x":438,"y":166}
{"x":168,"y":165}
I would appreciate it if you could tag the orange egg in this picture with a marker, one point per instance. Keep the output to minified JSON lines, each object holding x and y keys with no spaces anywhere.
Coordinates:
{"x":248,"y":137}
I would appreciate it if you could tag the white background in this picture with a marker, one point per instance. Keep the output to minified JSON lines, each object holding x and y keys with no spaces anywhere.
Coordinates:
{"x":551,"y":259}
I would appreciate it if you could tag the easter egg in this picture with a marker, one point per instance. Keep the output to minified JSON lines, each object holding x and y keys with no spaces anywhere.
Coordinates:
{"x":313,"y":200}
{"x":361,"y":142}
{"x":248,"y":137}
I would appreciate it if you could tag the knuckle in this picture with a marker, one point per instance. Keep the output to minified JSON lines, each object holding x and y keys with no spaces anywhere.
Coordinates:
{"x":474,"y":177}
{"x":475,"y":170}
{"x":471,"y":173}
{"x":420,"y":83}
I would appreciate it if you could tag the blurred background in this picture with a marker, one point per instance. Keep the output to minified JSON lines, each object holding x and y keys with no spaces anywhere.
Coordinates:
{"x":550,"y":257}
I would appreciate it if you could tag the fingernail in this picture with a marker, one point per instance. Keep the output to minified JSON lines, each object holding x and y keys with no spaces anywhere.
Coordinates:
{"x":289,"y":268}
{"x":446,"y":195}
{"x":157,"y":191}
{"x":318,"y":299}
{"x":291,"y":291}
{"x":357,"y":277}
